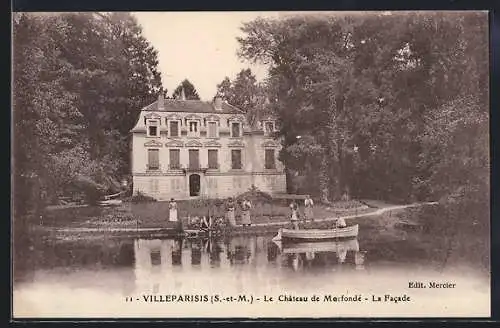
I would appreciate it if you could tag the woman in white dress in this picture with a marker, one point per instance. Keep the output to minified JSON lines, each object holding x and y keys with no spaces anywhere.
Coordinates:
{"x":308,"y":209}
{"x":245,"y":213}
{"x":172,"y":206}
{"x":294,"y":217}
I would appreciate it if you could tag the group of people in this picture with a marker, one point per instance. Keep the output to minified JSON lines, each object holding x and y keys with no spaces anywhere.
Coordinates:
{"x":206,"y":221}
{"x":308,"y":211}
{"x":246,"y":206}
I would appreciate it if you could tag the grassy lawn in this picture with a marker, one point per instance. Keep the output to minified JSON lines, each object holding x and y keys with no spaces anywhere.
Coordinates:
{"x":155,"y":214}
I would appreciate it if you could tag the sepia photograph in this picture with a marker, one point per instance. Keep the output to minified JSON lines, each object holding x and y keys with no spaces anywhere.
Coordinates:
{"x":321,"y":164}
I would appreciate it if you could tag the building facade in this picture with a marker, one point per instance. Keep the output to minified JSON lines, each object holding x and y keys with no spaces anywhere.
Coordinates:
{"x":186,"y":149}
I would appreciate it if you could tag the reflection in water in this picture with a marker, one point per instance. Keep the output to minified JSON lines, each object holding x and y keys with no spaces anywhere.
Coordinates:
{"x":245,"y":264}
{"x":177,"y":252}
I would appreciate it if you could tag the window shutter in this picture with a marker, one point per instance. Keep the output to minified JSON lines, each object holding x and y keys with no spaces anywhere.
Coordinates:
{"x":174,"y":158}
{"x":153,"y":158}
{"x":212,"y":158}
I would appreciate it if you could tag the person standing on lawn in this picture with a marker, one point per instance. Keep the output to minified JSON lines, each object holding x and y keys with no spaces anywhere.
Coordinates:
{"x":172,"y":207}
{"x":230,"y":212}
{"x":294,"y":217}
{"x":308,"y":209}
{"x":245,"y":214}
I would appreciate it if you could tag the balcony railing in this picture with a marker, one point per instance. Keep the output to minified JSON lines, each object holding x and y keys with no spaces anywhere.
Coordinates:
{"x":213,"y":166}
{"x":153,"y":167}
{"x":175,"y":167}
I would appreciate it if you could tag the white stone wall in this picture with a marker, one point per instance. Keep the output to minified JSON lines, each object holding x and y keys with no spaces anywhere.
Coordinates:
{"x":224,"y":182}
{"x":212,"y":186}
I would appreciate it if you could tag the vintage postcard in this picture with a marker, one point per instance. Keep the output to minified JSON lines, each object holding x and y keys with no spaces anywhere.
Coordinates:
{"x":251,"y":164}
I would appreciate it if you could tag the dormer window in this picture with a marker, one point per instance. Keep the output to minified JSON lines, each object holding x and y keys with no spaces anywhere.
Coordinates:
{"x":235,"y":129}
{"x":268,"y":127}
{"x":174,"y":128}
{"x":193,"y":128}
{"x":212,"y":130}
{"x":153,"y":128}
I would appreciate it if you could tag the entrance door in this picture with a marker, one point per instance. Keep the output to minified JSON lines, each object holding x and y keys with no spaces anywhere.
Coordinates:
{"x":194,"y":185}
{"x":194,"y":159}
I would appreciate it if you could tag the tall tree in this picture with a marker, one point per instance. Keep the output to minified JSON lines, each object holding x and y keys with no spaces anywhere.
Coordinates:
{"x":245,"y":93}
{"x":189,"y":90}
{"x":79,"y":82}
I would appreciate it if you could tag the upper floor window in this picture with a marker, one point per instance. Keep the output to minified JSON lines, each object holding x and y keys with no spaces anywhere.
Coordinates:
{"x":193,"y":129}
{"x":270,"y":160}
{"x":153,"y":128}
{"x":212,"y":129}
{"x":174,"y":128}
{"x":235,"y":129}
{"x":174,"y":156}
{"x":153,"y":159}
{"x":213,"y":162}
{"x":236,"y":159}
{"x":268,"y":127}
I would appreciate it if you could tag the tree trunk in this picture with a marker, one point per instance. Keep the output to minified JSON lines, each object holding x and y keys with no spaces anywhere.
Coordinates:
{"x":324,"y":180}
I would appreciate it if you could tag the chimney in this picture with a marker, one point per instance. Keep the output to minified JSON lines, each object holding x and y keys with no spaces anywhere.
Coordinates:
{"x":218,"y":102}
{"x":161,"y":102}
{"x":183,"y":95}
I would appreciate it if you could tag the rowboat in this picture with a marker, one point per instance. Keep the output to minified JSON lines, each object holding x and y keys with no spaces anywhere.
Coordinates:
{"x":110,"y":202}
{"x":319,"y":246}
{"x":317,"y":234}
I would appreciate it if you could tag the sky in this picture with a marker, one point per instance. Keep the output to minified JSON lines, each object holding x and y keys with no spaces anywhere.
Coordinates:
{"x":199,"y":46}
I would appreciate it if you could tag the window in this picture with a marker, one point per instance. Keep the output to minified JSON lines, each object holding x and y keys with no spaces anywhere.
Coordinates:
{"x":174,"y":155}
{"x":155,"y":257}
{"x":152,"y":128}
{"x":270,"y":162}
{"x":194,"y":159}
{"x":268,"y":127}
{"x":236,"y":159}
{"x":235,"y":130}
{"x":153,"y":159}
{"x":174,"y":128}
{"x":193,"y":129}
{"x":212,"y":159}
{"x":212,"y":129}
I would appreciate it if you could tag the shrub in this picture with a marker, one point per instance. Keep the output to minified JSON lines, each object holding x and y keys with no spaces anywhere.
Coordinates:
{"x":140,"y":198}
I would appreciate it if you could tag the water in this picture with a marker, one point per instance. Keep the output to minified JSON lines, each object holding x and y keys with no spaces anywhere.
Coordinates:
{"x":181,"y":278}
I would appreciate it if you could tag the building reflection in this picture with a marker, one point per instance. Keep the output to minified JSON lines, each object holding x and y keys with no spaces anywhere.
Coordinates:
{"x":162,"y":265}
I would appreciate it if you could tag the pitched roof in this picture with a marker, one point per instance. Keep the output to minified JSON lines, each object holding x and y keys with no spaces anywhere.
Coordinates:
{"x":192,"y":106}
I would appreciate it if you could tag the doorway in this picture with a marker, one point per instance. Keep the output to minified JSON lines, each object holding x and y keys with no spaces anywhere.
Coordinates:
{"x":194,"y":185}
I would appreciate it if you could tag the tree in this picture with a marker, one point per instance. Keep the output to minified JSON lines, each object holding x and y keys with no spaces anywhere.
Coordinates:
{"x":79,"y":83}
{"x":189,"y":90}
{"x":339,"y":81}
{"x":245,"y":93}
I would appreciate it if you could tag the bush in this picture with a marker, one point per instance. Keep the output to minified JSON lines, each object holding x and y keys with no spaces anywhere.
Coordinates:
{"x":140,"y":198}
{"x":254,"y":195}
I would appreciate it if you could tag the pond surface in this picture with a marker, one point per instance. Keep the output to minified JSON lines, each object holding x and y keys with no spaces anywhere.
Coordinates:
{"x":111,"y":277}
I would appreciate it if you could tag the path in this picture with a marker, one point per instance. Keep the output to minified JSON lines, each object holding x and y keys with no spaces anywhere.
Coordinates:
{"x":280,"y":223}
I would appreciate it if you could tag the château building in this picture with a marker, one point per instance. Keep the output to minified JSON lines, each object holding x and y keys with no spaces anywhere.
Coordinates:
{"x":190,"y":148}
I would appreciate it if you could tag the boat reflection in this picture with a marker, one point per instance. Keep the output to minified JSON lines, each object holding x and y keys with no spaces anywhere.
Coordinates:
{"x":309,"y":252}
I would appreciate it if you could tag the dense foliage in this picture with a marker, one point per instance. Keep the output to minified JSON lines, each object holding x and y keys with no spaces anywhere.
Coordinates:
{"x":245,"y":93}
{"x":80,"y":80}
{"x":381,"y":106}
